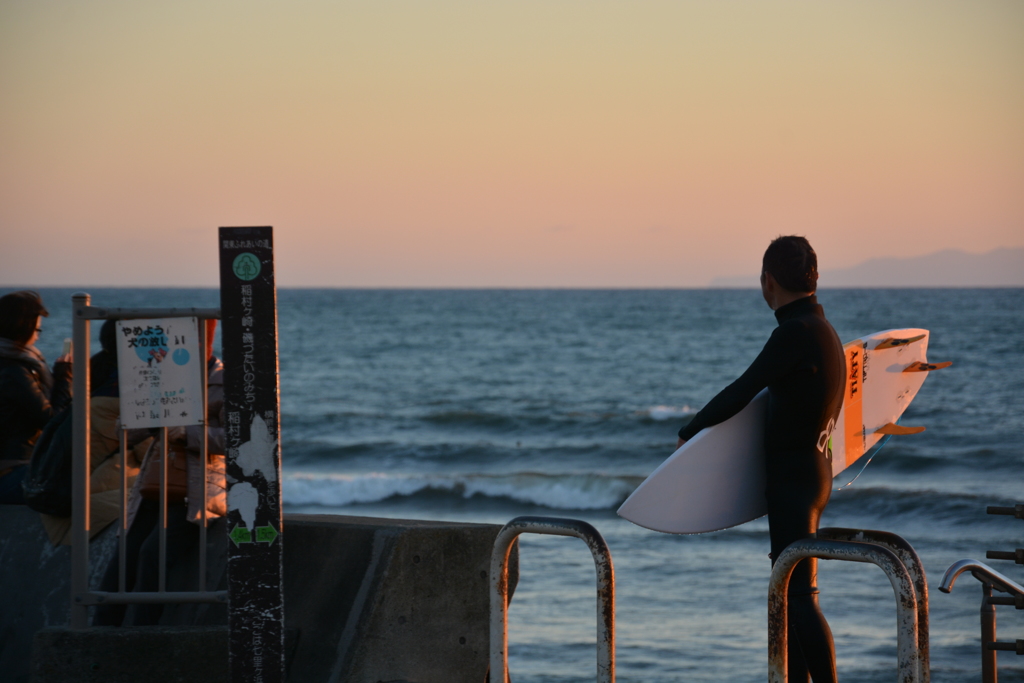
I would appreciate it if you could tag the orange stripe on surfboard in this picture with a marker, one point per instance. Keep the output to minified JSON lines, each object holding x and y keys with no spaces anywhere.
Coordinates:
{"x":853,"y":402}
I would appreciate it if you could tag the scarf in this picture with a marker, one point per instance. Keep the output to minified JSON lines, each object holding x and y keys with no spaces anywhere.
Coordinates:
{"x":30,"y":356}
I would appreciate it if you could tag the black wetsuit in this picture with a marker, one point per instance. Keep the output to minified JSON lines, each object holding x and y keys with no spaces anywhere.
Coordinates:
{"x":803,"y":366}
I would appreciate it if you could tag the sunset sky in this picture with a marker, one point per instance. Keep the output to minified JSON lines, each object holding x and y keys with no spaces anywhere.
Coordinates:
{"x":554,"y":143}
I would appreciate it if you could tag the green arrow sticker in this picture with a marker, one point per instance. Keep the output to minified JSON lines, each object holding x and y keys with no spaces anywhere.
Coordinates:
{"x":266,"y":534}
{"x":240,"y":535}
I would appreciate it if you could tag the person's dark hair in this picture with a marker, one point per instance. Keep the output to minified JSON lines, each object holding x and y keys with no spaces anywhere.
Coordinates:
{"x":792,"y":262}
{"x":108,"y":337}
{"x":103,"y":365}
{"x":18,"y":314}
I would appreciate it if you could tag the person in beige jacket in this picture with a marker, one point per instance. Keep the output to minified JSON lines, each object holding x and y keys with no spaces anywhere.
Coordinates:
{"x":105,"y":458}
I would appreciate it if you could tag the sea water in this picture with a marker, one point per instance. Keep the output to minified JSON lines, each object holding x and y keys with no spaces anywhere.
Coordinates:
{"x":481,"y":405}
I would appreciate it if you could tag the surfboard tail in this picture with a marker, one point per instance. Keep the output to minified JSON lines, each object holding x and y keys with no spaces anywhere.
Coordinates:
{"x":893,"y":342}
{"x":921,"y":366}
{"x":885,"y":370}
{"x":893,"y":429}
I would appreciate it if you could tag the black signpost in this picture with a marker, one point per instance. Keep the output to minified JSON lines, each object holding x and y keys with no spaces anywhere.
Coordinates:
{"x":248,"y":301}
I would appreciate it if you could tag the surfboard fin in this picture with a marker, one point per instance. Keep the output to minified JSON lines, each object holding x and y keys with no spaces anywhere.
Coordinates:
{"x":893,"y":342}
{"x":891,"y":429}
{"x":918,"y":366}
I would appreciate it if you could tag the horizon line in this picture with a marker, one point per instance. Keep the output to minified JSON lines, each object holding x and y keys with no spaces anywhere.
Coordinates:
{"x":752,"y":288}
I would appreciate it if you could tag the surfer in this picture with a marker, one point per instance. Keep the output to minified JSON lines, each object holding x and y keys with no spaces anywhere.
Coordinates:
{"x":803,"y":367}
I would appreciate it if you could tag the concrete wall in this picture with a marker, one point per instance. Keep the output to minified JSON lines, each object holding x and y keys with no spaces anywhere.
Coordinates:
{"x":35,"y":584}
{"x":164,"y":654}
{"x":365,"y":600}
{"x":387,"y":600}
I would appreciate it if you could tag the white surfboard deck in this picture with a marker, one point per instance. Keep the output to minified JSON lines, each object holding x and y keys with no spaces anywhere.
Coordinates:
{"x":717,"y":479}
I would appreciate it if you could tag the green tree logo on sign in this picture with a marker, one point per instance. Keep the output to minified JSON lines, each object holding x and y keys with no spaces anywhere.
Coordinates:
{"x":246,"y":266}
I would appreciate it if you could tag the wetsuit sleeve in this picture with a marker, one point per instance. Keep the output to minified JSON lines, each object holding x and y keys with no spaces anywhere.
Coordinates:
{"x":778,"y":357}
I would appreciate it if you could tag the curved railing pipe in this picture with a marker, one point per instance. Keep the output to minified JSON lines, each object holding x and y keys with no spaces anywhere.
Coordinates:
{"x":908,"y":670}
{"x":554,"y":526}
{"x":982,"y":572}
{"x":915,"y":567}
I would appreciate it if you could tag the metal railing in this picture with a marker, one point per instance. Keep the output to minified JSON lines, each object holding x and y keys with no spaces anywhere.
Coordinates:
{"x":554,"y":526}
{"x":910,"y":664}
{"x":915,"y":568}
{"x":81,"y":596}
{"x":991,"y":579}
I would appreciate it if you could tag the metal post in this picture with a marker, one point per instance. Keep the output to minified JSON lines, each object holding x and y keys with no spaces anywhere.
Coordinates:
{"x":989,"y":674}
{"x":80,"y":463}
{"x":499,"y":589}
{"x":122,"y":540}
{"x":162,"y":572}
{"x":915,"y":568}
{"x":203,"y":452}
{"x":899,"y":578}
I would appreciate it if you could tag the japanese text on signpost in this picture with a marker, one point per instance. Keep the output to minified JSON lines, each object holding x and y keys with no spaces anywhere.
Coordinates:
{"x":255,"y":589}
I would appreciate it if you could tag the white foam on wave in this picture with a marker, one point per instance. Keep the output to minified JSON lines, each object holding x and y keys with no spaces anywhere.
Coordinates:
{"x":668,"y":412}
{"x":567,"y":492}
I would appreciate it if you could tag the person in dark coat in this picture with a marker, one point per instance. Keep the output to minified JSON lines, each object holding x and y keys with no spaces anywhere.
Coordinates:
{"x":30,"y":393}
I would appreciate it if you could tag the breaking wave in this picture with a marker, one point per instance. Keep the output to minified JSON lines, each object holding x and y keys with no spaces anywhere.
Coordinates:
{"x":562,"y":492}
{"x":661,"y":413}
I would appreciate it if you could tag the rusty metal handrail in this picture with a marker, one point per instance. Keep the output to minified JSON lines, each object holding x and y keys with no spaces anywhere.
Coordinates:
{"x":554,"y":526}
{"x":915,"y":568}
{"x":107,"y":313}
{"x":150,"y":598}
{"x":903,"y":586}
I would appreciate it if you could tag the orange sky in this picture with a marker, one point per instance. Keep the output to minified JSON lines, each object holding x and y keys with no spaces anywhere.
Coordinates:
{"x":502,"y":144}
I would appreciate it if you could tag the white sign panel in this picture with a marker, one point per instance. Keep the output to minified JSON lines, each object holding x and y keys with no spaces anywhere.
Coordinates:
{"x":159,"y":371}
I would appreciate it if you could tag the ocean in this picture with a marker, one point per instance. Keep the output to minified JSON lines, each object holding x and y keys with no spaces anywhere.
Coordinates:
{"x":482,"y":405}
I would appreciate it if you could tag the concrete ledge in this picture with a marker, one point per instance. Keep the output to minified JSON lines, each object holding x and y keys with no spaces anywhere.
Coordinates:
{"x":366,"y":600}
{"x":414,"y":595}
{"x":169,"y":654}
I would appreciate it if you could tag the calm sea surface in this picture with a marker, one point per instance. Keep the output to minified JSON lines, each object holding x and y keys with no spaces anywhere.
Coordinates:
{"x":481,"y":405}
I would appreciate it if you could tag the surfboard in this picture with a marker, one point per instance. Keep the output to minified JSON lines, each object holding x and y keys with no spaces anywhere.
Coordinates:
{"x":716,"y":480}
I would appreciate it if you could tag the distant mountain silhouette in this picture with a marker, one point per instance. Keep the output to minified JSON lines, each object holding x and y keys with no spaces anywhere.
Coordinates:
{"x":1003,"y":267}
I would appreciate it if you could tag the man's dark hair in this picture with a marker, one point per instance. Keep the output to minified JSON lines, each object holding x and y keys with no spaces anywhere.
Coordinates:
{"x":792,"y":262}
{"x":103,"y":365}
{"x":18,"y":314}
